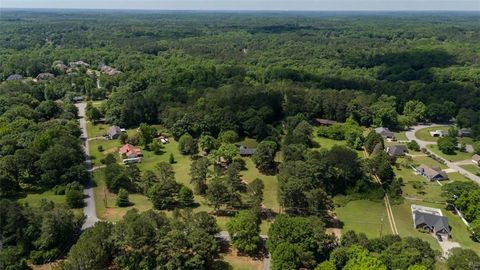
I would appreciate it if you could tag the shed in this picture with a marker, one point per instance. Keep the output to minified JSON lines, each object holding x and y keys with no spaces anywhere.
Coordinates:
{"x":245,"y":151}
{"x":15,"y":77}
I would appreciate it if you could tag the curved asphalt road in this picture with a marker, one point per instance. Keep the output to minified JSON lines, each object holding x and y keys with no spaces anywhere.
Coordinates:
{"x":89,"y":209}
{"x":411,"y":136}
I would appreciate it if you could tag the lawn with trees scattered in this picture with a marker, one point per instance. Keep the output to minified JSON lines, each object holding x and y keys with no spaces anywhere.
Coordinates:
{"x":212,"y":83}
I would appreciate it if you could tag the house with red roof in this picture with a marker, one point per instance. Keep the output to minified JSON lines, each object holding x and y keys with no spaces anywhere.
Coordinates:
{"x":130,"y":151}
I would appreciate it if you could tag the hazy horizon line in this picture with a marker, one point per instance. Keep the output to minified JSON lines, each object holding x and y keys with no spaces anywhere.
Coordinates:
{"x":244,"y":10}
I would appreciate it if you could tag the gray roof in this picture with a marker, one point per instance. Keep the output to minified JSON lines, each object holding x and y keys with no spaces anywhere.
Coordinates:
{"x":45,"y":75}
{"x":246,"y":151}
{"x":15,"y":77}
{"x":432,"y":172}
{"x":396,"y":150}
{"x":476,"y":158}
{"x":434,"y":222}
{"x":113,"y":131}
{"x":385,"y":132}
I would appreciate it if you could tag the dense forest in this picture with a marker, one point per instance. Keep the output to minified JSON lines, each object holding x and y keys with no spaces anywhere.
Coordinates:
{"x":211,"y":79}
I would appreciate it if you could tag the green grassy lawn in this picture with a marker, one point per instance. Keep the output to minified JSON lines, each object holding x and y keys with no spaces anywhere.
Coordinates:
{"x":424,"y":133}
{"x":431,"y":192}
{"x":458,"y":156}
{"x":428,"y":161}
{"x":109,"y":147}
{"x":326,"y":143}
{"x":105,"y":201}
{"x":466,"y":140}
{"x":96,"y":130}
{"x":400,"y":136}
{"x":364,"y":216}
{"x":456,"y":176}
{"x":471,"y":168}
{"x":270,"y":191}
{"x":34,"y":199}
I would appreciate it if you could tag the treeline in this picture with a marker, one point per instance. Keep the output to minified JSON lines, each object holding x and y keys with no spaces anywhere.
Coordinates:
{"x":148,"y":240}
{"x":35,"y":234}
{"x":39,"y":139}
{"x":177,"y":61}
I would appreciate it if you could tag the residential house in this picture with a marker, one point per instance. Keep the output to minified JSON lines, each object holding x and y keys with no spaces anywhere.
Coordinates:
{"x":464,"y":132}
{"x":163,"y":139}
{"x":77,"y":99}
{"x":15,"y":77}
{"x":476,"y":159}
{"x":245,"y":151}
{"x":396,"y":150}
{"x":114,"y":132}
{"x":61,"y":66}
{"x":129,"y":151}
{"x":324,"y":122}
{"x":438,"y":133}
{"x":109,"y":70}
{"x":434,"y":223}
{"x":78,"y":64}
{"x":45,"y":76}
{"x":432,"y":173}
{"x":385,"y":133}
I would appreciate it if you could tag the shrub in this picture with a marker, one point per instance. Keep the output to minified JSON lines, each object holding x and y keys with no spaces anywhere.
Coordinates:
{"x":122,"y":198}
{"x":74,"y":195}
{"x":413,"y":145}
{"x":100,"y":148}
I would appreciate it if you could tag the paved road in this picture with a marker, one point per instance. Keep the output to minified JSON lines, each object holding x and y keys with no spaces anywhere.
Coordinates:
{"x":423,"y":144}
{"x":89,"y":209}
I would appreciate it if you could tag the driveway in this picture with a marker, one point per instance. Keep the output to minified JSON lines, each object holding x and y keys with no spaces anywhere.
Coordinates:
{"x":89,"y":209}
{"x":423,"y":144}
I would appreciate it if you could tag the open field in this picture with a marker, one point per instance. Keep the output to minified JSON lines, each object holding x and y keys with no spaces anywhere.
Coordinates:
{"x":34,"y":199}
{"x":96,"y":130}
{"x":105,"y":200}
{"x":424,"y":135}
{"x":428,"y":161}
{"x":471,"y":168}
{"x":456,"y":176}
{"x":458,"y":156}
{"x":364,"y":216}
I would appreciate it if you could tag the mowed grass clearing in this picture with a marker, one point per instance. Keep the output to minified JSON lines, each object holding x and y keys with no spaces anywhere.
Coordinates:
{"x":471,"y":168}
{"x":458,"y":156}
{"x":364,"y":216}
{"x":105,"y":201}
{"x":424,"y":133}
{"x":428,"y":161}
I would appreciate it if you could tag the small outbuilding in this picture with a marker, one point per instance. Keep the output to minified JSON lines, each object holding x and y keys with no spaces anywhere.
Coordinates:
{"x":15,"y":77}
{"x":45,"y":76}
{"x":476,"y":159}
{"x":464,"y":132}
{"x":324,"y":122}
{"x":245,"y":151}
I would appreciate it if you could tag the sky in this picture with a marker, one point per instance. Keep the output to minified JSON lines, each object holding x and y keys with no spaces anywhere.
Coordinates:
{"x":374,"y":5}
